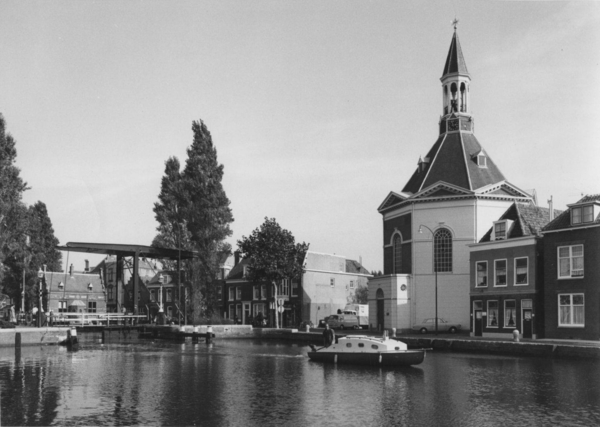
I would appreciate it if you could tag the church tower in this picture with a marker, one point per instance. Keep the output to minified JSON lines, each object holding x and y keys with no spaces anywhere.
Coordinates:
{"x":449,"y":201}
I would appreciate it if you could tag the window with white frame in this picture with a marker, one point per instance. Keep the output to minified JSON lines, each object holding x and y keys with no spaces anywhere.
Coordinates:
{"x":521,"y":271}
{"x":170,"y":311}
{"x":294,"y":288}
{"x":91,"y":306}
{"x":255,"y":294}
{"x":582,"y":214}
{"x":231,"y":293}
{"x":481,"y":160}
{"x":510,"y":313}
{"x":482,"y":274}
{"x":500,"y":272}
{"x":153,"y":295}
{"x":397,"y":247}
{"x":570,"y":261}
{"x":238,"y":311}
{"x":219,"y":292}
{"x":62,"y":306}
{"x":500,"y":230}
{"x":169,"y":295}
{"x":571,"y":310}
{"x":332,"y":281}
{"x":231,"y":311}
{"x":263,"y":291}
{"x":351,"y":284}
{"x":110,"y":292}
{"x":238,"y":292}
{"x":442,"y":250}
{"x":492,"y":314}
{"x":284,"y":289}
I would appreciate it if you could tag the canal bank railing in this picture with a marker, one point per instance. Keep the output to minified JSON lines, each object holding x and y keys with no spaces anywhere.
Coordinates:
{"x":94,"y":319}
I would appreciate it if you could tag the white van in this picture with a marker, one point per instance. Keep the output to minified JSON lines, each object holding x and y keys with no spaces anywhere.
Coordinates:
{"x":343,"y":321}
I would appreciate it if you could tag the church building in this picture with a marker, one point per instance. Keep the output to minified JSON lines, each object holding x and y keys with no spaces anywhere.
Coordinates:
{"x":453,"y":196}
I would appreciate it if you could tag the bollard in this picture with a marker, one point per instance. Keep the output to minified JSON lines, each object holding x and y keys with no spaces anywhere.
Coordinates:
{"x":307,"y":328}
{"x":18,"y":347}
{"x":72,"y":336}
{"x":394,"y":332}
{"x":516,"y":335}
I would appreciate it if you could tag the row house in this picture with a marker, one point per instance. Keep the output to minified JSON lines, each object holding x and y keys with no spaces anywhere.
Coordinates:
{"x":328,"y":283}
{"x":506,"y":281}
{"x":73,"y":292}
{"x":572,"y":272}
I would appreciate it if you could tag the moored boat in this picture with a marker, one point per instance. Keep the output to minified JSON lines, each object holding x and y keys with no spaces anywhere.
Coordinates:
{"x":366,"y":350}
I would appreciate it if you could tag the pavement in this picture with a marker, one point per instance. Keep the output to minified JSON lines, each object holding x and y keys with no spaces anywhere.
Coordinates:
{"x":465,"y":336}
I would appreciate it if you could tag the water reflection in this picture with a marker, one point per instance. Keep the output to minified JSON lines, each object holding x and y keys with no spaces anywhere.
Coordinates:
{"x":245,"y":382}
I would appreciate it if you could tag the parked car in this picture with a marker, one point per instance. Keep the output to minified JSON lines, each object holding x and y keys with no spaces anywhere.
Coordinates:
{"x":343,"y":321}
{"x":322,"y":322}
{"x":428,"y":325}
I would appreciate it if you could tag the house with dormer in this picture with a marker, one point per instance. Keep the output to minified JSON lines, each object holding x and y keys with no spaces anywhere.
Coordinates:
{"x":448,"y":203}
{"x":507,"y":274}
{"x":74,"y":292}
{"x":572,"y":272}
{"x":328,"y":284}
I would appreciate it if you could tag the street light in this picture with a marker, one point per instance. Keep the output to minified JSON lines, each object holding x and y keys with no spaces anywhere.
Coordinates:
{"x":39,"y":313}
{"x":435,"y":268}
{"x":161,"y":311}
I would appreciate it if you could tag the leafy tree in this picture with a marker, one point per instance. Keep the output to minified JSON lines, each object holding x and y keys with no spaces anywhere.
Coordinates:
{"x":193,"y":213}
{"x":361,"y":295}
{"x":273,"y":255}
{"x":27,"y":240}
{"x":11,"y":207}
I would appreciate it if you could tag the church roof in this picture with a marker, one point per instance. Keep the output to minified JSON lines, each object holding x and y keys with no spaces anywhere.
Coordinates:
{"x":455,"y":62}
{"x":453,"y":160}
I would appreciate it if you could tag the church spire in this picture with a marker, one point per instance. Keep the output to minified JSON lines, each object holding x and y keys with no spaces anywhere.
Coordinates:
{"x":455,"y":79}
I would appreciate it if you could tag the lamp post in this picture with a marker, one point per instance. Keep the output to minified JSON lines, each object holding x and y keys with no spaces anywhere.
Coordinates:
{"x":39,"y":313}
{"x":161,"y":311}
{"x":435,"y":268}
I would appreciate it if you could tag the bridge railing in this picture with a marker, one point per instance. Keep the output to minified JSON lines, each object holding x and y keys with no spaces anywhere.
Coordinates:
{"x":94,"y":319}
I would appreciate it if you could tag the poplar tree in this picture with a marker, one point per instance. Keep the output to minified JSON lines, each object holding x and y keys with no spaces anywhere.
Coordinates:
{"x":193,"y":213}
{"x":273,"y":256}
{"x":27,"y":238}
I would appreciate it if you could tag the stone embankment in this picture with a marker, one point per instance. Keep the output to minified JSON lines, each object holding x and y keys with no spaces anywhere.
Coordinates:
{"x":457,"y":343}
{"x":32,"y":336}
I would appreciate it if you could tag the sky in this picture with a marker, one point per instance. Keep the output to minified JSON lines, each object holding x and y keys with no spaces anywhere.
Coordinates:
{"x":317,"y":109}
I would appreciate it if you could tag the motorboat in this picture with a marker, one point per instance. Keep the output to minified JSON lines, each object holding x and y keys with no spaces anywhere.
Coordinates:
{"x":367,"y":350}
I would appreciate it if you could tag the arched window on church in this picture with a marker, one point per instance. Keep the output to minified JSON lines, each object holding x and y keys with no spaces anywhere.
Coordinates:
{"x":379,"y":294}
{"x":442,"y":250}
{"x":463,"y":98}
{"x":397,"y":254}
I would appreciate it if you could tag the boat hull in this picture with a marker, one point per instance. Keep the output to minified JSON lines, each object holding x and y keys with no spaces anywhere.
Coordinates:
{"x":399,"y":358}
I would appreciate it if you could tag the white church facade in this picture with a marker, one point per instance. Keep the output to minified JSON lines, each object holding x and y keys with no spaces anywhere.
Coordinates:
{"x":448,"y":203}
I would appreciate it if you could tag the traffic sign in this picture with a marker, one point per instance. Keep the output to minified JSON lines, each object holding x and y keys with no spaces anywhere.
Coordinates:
{"x":280,"y":309}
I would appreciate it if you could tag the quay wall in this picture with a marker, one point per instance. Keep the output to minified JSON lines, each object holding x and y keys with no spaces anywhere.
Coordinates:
{"x":43,"y":336}
{"x":33,"y":336}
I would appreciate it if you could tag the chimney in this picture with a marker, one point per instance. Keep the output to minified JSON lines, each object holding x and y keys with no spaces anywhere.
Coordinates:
{"x":87,"y":266}
{"x":236,"y":257}
{"x":551,"y":208}
{"x":71,"y":270}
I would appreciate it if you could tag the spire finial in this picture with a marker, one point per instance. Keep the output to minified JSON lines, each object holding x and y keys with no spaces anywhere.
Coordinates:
{"x":455,"y":23}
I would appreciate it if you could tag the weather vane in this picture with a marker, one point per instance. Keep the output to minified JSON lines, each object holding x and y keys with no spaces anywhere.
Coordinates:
{"x":455,"y":23}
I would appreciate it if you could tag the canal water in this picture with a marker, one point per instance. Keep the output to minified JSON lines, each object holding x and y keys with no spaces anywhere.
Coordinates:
{"x":249,"y":383}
